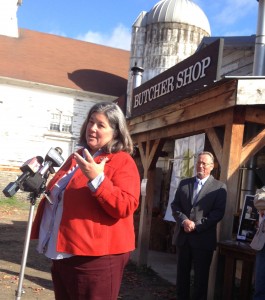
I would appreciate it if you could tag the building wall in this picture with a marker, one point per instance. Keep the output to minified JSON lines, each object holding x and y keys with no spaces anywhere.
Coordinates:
{"x":25,"y":117}
{"x":237,"y":62}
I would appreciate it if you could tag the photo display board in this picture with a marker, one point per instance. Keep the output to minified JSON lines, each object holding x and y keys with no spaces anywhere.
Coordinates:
{"x":248,"y":220}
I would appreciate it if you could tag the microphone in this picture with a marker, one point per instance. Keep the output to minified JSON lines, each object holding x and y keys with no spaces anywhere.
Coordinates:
{"x":34,"y":176}
{"x":32,"y":165}
{"x":37,"y":182}
{"x":29,"y":168}
{"x":52,"y":159}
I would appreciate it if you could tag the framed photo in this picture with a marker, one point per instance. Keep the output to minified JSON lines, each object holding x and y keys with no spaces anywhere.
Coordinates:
{"x":248,"y":220}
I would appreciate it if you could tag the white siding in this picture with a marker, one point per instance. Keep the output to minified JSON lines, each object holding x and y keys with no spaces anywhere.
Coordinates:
{"x":25,"y":119}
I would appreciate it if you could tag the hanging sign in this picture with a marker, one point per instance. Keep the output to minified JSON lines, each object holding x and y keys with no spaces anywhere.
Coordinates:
{"x":184,"y":79}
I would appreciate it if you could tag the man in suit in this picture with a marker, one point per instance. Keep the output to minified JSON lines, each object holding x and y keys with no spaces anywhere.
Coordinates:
{"x":198,"y":206}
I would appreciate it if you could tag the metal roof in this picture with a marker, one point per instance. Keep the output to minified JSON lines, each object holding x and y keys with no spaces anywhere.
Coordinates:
{"x":230,"y":41}
{"x":179,"y":11}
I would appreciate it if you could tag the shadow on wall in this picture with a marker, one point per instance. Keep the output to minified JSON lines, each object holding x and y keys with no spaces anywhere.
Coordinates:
{"x":99,"y":82}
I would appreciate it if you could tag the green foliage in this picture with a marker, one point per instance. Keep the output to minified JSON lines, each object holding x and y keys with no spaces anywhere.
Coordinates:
{"x":13,"y":202}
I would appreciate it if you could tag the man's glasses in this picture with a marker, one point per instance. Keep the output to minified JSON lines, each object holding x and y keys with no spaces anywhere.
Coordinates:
{"x":199,"y":163}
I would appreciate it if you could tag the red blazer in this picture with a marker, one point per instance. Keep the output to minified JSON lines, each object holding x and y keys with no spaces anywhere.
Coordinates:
{"x":97,"y":223}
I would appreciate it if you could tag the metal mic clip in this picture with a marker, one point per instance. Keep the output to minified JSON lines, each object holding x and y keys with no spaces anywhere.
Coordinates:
{"x":46,"y":194}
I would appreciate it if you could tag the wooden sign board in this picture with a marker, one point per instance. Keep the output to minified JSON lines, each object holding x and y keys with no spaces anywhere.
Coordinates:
{"x":182,"y":80}
{"x":248,"y":220}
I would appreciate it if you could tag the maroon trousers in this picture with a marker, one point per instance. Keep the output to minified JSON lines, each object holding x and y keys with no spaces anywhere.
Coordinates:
{"x":88,"y":277}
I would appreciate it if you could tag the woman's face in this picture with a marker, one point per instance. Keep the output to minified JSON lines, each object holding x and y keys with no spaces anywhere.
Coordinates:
{"x":98,"y":131}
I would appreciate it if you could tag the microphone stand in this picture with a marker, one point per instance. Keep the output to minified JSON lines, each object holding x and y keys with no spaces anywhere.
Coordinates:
{"x":33,"y":196}
{"x":36,"y":185}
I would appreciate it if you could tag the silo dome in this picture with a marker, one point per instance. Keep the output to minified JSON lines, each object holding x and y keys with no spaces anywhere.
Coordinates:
{"x":179,"y":11}
{"x":166,"y":35}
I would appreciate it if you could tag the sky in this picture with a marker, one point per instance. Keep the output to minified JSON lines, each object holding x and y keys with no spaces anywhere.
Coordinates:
{"x":109,"y":22}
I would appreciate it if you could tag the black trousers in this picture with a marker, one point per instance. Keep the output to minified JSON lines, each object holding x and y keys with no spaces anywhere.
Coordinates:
{"x":88,"y":277}
{"x":200,"y":261}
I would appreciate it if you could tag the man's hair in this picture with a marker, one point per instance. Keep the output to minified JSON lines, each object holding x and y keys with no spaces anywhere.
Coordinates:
{"x":207,"y":153}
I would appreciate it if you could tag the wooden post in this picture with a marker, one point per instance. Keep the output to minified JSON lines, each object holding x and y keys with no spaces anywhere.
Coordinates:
{"x":149,"y":153}
{"x":145,"y":220}
{"x":233,"y":140}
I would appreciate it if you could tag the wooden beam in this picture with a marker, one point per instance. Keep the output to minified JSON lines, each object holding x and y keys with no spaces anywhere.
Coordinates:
{"x":255,"y":115}
{"x":228,"y":87}
{"x":148,"y":155}
{"x":155,"y":151}
{"x":252,"y":147}
{"x":145,"y":220}
{"x":183,"y":129}
{"x":142,"y":155}
{"x":233,"y":140}
{"x":149,"y":152}
{"x":186,"y":110}
{"x":215,"y":143}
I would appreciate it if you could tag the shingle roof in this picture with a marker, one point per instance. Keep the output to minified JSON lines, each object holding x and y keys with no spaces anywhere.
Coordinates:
{"x":55,"y":60}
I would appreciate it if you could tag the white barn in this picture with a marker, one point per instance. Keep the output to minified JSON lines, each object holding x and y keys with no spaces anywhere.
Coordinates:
{"x":47,"y":85}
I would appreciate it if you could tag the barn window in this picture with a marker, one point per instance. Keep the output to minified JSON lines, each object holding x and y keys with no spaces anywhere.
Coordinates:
{"x":61,"y":122}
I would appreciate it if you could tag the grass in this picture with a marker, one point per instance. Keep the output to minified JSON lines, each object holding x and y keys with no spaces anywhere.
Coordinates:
{"x":13,"y":202}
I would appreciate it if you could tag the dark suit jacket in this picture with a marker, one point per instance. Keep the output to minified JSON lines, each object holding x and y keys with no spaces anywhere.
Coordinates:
{"x":207,"y":212}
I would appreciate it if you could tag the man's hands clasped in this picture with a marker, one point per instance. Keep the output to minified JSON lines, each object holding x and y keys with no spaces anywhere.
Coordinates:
{"x":188,"y":225}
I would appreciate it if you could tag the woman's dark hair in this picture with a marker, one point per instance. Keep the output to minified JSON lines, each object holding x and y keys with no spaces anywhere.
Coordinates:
{"x":122,"y":140}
